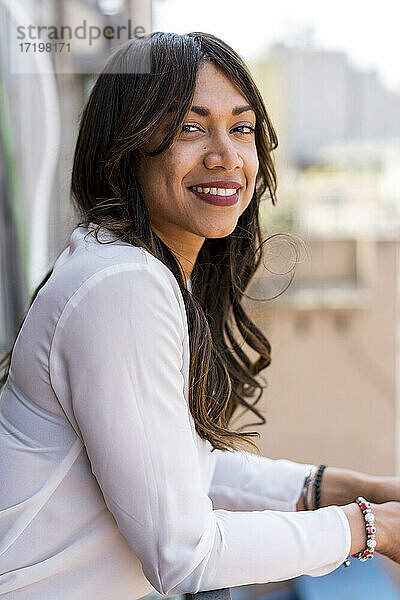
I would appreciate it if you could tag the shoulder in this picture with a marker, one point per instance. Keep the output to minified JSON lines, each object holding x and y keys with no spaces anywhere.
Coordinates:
{"x":88,"y":265}
{"x":90,"y":278}
{"x":85,"y":256}
{"x":135,"y":293}
{"x":127,"y":288}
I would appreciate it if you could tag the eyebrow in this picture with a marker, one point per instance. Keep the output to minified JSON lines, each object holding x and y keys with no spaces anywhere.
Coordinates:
{"x":237,"y":110}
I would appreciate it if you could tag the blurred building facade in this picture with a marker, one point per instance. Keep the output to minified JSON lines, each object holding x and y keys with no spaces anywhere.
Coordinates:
{"x":319,"y":99}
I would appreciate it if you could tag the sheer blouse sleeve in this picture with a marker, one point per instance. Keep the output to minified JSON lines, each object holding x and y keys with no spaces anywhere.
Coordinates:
{"x":119,"y":352}
{"x":247,"y":481}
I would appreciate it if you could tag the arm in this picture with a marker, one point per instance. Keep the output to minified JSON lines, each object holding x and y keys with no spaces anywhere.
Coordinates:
{"x":340,"y":486}
{"x":246,"y":481}
{"x":120,"y":349}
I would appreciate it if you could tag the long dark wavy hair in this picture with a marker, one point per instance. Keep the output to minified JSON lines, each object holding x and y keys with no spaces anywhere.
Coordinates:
{"x":141,"y":83}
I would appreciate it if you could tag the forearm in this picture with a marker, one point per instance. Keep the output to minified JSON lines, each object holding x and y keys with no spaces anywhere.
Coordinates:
{"x":340,"y":486}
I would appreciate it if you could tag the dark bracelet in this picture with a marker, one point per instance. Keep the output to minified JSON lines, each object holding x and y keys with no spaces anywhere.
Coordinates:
{"x":318,"y":486}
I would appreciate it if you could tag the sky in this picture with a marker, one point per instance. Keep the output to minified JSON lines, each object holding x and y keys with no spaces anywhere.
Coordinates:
{"x":367,"y":35}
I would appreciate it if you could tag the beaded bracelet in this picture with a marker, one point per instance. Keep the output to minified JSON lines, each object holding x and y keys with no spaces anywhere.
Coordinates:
{"x":370,"y":528}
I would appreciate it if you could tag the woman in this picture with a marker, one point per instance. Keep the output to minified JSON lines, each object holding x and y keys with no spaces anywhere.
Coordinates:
{"x":120,"y":473}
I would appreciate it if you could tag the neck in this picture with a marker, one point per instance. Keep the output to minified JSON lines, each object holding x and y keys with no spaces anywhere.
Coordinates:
{"x":185,"y":248}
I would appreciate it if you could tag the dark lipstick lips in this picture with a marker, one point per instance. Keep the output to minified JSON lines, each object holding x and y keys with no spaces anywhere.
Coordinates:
{"x":216,"y":199}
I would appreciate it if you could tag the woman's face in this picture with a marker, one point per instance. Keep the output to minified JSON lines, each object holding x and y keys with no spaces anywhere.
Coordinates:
{"x":214,"y":146}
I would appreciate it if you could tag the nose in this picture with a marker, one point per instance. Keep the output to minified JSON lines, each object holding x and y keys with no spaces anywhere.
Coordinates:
{"x":223,"y":154}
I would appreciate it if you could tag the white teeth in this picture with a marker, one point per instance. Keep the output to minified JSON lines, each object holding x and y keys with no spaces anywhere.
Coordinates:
{"x":216,"y":191}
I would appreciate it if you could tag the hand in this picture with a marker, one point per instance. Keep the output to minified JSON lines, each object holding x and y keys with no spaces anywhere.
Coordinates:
{"x":387,"y":521}
{"x":382,"y":489}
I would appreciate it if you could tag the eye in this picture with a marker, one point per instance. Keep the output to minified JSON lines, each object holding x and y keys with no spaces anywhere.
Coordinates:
{"x":194,"y":127}
{"x":183,"y":130}
{"x":252,"y":129}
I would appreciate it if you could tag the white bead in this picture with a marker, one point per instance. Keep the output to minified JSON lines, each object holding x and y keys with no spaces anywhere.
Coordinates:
{"x":371,"y":543}
{"x":369,"y":517}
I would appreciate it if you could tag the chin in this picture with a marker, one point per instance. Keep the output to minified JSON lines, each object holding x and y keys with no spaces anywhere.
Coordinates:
{"x":215,"y":230}
{"x":221,"y":233}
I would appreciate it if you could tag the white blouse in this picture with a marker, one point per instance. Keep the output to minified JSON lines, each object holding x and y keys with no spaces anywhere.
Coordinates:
{"x":107,"y":491}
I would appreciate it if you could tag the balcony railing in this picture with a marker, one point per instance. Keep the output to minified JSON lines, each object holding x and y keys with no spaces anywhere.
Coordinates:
{"x":222,"y":594}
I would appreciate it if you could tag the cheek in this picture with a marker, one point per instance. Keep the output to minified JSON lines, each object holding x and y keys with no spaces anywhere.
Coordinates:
{"x":250,"y":172}
{"x":164,"y":182}
{"x":254,"y":163}
{"x":158,"y":182}
{"x":180,"y":161}
{"x":176,"y":161}
{"x":251,"y":162}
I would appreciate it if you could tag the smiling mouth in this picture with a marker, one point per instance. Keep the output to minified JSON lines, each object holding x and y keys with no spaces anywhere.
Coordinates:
{"x":216,"y":190}
{"x":228,"y":198}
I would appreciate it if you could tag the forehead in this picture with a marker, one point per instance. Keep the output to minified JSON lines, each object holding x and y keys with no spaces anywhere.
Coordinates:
{"x":213,"y":88}
{"x":214,"y":93}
